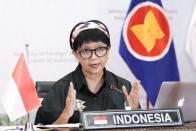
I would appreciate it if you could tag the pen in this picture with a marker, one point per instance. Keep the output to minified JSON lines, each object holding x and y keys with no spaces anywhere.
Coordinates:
{"x":16,"y":129}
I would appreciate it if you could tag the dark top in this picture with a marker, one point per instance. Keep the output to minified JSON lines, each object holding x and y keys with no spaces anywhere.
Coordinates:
{"x":104,"y":99}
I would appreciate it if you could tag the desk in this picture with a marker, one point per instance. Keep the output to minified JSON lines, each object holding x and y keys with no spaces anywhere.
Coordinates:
{"x":187,"y":127}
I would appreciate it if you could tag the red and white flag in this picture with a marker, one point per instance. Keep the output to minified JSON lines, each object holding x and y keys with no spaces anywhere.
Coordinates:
{"x":20,"y":97}
{"x":100,"y":120}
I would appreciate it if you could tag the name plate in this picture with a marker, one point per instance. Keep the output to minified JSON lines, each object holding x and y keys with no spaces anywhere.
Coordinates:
{"x":132,"y":118}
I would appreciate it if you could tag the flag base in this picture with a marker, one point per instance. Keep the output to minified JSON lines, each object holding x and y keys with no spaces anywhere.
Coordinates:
{"x":29,"y":127}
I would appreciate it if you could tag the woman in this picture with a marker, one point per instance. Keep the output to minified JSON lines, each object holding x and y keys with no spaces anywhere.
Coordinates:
{"x":90,"y":87}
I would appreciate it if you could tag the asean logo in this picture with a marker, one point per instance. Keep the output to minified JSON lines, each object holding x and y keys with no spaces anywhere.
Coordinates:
{"x":146,"y":32}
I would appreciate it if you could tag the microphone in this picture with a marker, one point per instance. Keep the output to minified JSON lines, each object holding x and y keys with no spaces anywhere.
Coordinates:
{"x":112,"y":87}
{"x":126,"y":103}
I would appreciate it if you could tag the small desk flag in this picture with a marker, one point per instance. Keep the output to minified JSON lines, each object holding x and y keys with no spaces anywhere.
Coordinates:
{"x":20,"y":97}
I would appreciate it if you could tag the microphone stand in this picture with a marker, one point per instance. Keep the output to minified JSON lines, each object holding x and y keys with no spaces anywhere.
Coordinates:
{"x":28,"y":125}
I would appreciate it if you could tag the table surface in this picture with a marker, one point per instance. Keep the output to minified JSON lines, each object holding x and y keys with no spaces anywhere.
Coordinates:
{"x":187,"y":126}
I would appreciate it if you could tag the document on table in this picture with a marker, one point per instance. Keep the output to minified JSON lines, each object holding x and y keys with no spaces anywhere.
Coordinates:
{"x":71,"y":125}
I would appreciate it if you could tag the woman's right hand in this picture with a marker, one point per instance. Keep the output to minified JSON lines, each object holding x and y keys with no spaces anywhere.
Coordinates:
{"x":70,"y":101}
{"x":69,"y":106}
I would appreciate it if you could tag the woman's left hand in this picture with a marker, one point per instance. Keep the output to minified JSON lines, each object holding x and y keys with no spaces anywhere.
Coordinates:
{"x":133,"y":96}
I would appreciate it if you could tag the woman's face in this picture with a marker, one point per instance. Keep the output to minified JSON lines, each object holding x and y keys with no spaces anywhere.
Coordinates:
{"x":92,"y":56}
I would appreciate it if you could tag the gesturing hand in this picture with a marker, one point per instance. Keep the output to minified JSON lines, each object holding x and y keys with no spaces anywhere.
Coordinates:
{"x":70,"y":101}
{"x":69,"y":106}
{"x":133,"y":96}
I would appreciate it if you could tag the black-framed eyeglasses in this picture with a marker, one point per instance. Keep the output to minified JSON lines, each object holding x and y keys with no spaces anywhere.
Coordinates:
{"x":87,"y":53}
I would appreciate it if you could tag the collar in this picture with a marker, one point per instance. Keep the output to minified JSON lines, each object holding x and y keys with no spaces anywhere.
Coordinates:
{"x":80,"y":79}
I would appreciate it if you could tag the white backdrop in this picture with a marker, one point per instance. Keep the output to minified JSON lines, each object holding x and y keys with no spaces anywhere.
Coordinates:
{"x":45,"y":25}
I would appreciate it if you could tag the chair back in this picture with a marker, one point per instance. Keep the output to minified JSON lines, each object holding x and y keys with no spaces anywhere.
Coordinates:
{"x":43,"y":87}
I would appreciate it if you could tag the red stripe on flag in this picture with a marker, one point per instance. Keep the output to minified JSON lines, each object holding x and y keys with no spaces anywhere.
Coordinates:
{"x":100,"y":118}
{"x":25,"y":85}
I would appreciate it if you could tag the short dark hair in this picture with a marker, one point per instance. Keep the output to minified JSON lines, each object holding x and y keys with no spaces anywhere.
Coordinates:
{"x":89,"y":34}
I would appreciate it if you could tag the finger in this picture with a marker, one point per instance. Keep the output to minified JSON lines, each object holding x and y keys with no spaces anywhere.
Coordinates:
{"x":135,"y":88}
{"x":124,"y":89}
{"x":71,"y":91}
{"x":136,"y":85}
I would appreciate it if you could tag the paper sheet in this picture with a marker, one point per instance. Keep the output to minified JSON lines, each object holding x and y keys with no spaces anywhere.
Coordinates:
{"x":74,"y":125}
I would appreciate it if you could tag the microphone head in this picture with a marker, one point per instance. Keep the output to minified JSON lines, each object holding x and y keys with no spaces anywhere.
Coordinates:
{"x":111,"y":87}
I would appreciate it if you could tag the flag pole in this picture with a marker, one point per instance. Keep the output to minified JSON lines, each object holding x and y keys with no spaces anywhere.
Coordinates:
{"x":147,"y":103}
{"x":28,"y":125}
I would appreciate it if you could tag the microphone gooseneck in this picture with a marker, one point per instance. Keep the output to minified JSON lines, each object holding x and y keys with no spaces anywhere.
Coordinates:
{"x":112,"y":87}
